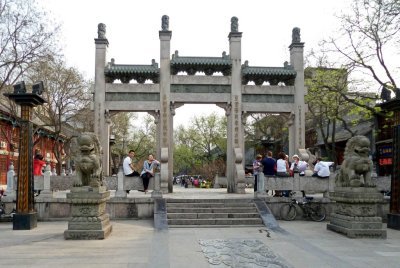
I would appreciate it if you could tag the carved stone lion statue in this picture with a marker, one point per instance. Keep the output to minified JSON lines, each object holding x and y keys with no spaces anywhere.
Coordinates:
{"x":357,"y":167}
{"x":87,"y":157}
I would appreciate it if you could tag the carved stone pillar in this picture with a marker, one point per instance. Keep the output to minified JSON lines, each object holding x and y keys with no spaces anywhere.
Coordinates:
{"x":297,"y":61}
{"x":292,"y":134}
{"x":229,"y":173}
{"x":235,"y":118}
{"x":156,"y":115}
{"x":100,"y":126}
{"x":165,"y":101}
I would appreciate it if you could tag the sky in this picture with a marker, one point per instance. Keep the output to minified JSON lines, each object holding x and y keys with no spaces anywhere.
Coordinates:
{"x":199,"y":28}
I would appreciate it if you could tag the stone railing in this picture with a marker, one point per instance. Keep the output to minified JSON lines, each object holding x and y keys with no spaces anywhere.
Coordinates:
{"x":48,"y":183}
{"x":310,"y":184}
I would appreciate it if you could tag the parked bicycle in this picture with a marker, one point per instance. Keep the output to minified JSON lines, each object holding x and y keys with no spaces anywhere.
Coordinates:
{"x":311,"y":210}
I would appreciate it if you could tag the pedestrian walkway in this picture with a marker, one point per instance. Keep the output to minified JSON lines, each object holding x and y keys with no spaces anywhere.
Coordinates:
{"x":135,"y":243}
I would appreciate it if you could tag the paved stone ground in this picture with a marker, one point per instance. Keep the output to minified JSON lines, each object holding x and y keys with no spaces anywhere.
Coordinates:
{"x":134,"y":243}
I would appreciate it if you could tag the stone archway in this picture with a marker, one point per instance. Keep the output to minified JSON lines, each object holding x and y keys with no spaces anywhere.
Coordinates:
{"x":284,"y":94}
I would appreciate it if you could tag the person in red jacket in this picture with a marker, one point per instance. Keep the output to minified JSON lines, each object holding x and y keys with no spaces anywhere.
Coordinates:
{"x":38,"y":165}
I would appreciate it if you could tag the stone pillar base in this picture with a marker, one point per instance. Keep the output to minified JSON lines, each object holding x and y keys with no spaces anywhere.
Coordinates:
{"x":357,"y":227}
{"x":24,"y":221}
{"x":102,"y":233}
{"x":89,"y":220}
{"x":393,"y":221}
{"x":355,"y":212}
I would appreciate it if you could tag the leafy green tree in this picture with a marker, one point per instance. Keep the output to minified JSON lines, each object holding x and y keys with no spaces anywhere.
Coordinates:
{"x":329,"y":109}
{"x":200,"y":145}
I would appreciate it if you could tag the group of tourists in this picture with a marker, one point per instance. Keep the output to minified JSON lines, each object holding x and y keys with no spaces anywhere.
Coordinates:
{"x":147,"y":171}
{"x":282,"y":167}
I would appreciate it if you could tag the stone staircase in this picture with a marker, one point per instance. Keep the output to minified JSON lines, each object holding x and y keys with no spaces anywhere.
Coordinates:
{"x":212,"y":213}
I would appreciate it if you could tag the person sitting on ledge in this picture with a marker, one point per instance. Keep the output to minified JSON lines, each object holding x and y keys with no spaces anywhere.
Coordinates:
{"x":127,"y":165}
{"x":298,"y":166}
{"x":148,"y":171}
{"x":321,"y":169}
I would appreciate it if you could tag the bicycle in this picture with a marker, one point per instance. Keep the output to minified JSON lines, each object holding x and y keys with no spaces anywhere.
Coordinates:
{"x":311,"y":210}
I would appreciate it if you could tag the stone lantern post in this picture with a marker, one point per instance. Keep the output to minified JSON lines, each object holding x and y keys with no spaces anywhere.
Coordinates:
{"x":25,"y":217}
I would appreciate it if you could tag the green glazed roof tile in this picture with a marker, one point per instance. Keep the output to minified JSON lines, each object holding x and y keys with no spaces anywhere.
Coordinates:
{"x":123,"y":69}
{"x":284,"y":71}
{"x":200,"y":61}
{"x":224,"y":60}
{"x":115,"y":69}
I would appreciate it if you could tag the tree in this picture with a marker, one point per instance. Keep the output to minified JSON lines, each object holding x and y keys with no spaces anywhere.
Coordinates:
{"x":120,"y":124}
{"x":66,"y":93}
{"x":328,"y":104}
{"x":198,"y":147}
{"x":25,"y":39}
{"x":369,"y":40}
{"x":267,"y":128}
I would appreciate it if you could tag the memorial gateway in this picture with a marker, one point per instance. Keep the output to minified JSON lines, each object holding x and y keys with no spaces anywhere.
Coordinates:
{"x":175,"y":83}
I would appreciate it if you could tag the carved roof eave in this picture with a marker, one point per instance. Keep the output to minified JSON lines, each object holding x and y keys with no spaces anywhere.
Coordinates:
{"x":208,"y":65}
{"x":272,"y":75}
{"x":125,"y":72}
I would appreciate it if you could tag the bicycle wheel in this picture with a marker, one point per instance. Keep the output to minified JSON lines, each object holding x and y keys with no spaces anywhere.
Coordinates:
{"x":288,"y":212}
{"x":317,"y":212}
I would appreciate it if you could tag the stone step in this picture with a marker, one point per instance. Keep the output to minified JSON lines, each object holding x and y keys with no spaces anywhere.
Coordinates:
{"x":211,"y":215}
{"x":226,"y":201}
{"x":209,"y":205}
{"x":216,"y":226}
{"x":231,"y":221}
{"x":211,"y":210}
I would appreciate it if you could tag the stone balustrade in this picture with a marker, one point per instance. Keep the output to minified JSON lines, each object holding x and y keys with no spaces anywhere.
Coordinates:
{"x":303,"y":183}
{"x":63,"y":183}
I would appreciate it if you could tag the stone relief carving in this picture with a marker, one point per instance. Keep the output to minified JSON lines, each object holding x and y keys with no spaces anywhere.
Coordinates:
{"x":356,"y":167}
{"x":296,"y":35}
{"x":86,"y":152}
{"x":234,"y":25}
{"x":240,"y":253}
{"x":101,"y":31}
{"x":165,"y":23}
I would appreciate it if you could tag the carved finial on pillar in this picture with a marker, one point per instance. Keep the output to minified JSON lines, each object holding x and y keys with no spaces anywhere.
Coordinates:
{"x":101,"y":31}
{"x":165,"y":23}
{"x":234,"y":25}
{"x":296,"y":35}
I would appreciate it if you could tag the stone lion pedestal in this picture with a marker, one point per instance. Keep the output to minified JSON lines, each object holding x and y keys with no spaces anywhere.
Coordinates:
{"x":356,"y":196}
{"x":88,"y":210}
{"x":355,"y":212}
